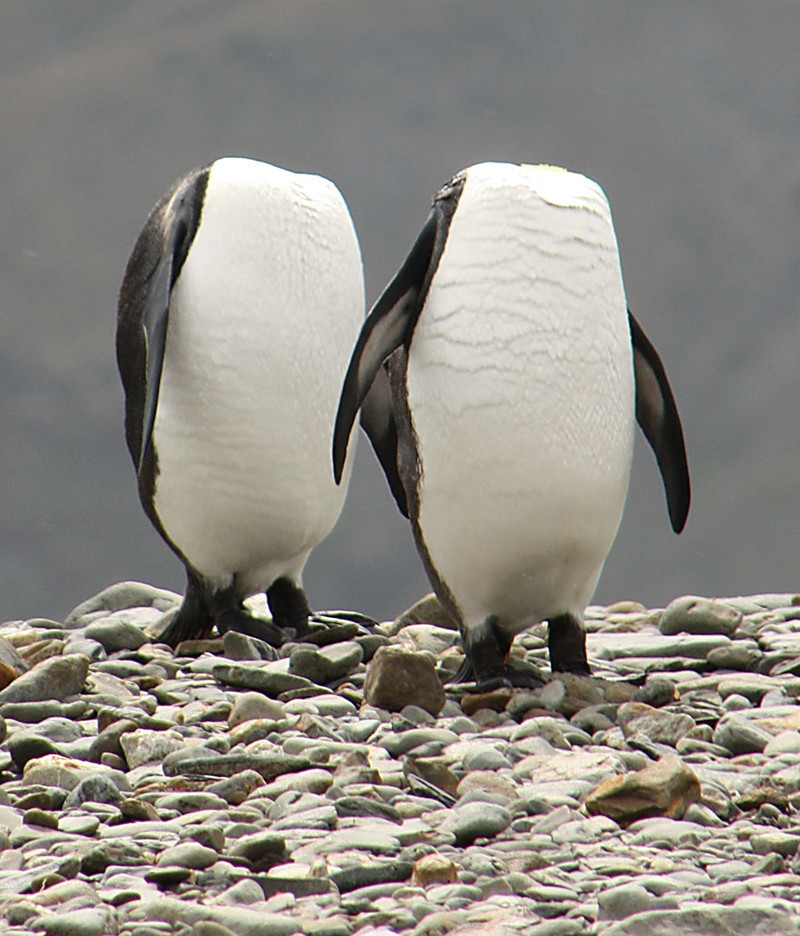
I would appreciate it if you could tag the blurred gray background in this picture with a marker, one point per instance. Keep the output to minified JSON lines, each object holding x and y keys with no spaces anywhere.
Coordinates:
{"x":688,"y":115}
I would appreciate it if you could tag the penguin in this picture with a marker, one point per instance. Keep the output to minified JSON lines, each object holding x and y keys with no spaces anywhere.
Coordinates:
{"x":237,"y":313}
{"x":499,"y":377}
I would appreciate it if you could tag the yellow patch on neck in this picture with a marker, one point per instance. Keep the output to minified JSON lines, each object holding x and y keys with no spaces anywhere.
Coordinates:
{"x":543,"y":166}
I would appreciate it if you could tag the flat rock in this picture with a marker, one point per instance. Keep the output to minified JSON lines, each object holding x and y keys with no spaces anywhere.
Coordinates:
{"x":243,"y":921}
{"x":665,"y":788}
{"x":750,"y":685}
{"x":785,"y":742}
{"x":272,"y":682}
{"x":611,"y":646}
{"x":147,"y":747}
{"x":740,"y":736}
{"x":617,"y":903}
{"x":87,"y":921}
{"x":122,"y":630}
{"x":328,"y":664}
{"x":58,"y":771}
{"x":709,"y":920}
{"x":119,"y":596}
{"x":693,"y":615}
{"x":588,"y":766}
{"x":54,"y":678}
{"x":667,"y":833}
{"x":252,"y":705}
{"x":476,"y":820}
{"x":269,"y":766}
{"x":656,"y":725}
{"x":188,"y":855}
{"x":241,"y":647}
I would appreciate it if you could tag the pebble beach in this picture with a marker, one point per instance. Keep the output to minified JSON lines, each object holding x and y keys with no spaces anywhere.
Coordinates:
{"x":340,"y":786}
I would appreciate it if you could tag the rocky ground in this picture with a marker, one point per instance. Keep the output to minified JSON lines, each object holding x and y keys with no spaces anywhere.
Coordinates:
{"x":336,"y":788}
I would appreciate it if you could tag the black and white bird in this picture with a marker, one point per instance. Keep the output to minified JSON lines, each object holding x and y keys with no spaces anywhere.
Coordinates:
{"x":237,"y":314}
{"x":499,"y":376}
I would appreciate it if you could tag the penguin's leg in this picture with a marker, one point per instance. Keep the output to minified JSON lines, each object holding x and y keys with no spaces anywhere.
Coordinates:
{"x":289,"y":605}
{"x":194,"y":619}
{"x":290,"y":609}
{"x":485,"y":649}
{"x":566,"y":642}
{"x":230,"y":614}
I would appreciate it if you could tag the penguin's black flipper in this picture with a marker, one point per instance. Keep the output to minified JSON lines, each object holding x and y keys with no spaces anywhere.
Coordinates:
{"x":144,"y":298}
{"x":179,"y":227}
{"x":388,"y":325}
{"x":657,"y":414}
{"x":377,"y":420}
{"x":154,"y":323}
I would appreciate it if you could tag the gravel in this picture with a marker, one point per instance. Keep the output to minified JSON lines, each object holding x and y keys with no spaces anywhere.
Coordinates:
{"x":227,"y":788}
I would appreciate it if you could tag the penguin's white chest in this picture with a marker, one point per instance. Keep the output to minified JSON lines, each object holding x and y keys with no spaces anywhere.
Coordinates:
{"x":521,"y":390}
{"x":261,"y":322}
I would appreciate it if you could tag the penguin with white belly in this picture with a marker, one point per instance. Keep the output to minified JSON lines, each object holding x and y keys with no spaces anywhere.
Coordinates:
{"x":499,"y":377}
{"x":237,"y":315}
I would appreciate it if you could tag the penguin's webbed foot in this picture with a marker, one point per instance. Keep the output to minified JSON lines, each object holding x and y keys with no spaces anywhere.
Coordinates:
{"x":486,"y":647}
{"x":329,"y":627}
{"x":291,"y":611}
{"x":514,"y":674}
{"x":486,"y":661}
{"x":184,"y":627}
{"x":237,"y":619}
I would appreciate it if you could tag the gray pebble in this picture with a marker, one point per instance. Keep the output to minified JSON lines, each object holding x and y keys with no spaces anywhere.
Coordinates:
{"x":739,"y":736}
{"x":326,"y":665}
{"x":121,"y":630}
{"x":259,"y":678}
{"x":96,"y":789}
{"x":476,"y":820}
{"x":617,"y":903}
{"x":188,"y":855}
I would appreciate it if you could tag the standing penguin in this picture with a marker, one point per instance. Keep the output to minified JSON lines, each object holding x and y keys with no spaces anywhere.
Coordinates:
{"x":238,"y":310}
{"x":499,"y":375}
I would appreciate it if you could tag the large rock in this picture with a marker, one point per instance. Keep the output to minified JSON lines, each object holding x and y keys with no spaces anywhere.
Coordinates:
{"x":693,"y":615}
{"x":396,"y":678}
{"x":118,"y":597}
{"x":665,"y":788}
{"x":54,"y":678}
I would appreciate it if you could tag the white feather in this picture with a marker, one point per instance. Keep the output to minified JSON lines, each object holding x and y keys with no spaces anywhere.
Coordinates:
{"x":521,"y":389}
{"x":262,"y":320}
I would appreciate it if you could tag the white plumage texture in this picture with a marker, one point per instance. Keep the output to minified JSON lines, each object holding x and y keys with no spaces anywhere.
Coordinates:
{"x":521,"y":390}
{"x":262,"y":320}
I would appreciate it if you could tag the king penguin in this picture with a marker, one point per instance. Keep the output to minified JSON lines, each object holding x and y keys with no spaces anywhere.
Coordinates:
{"x":237,"y":313}
{"x":499,"y":377}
